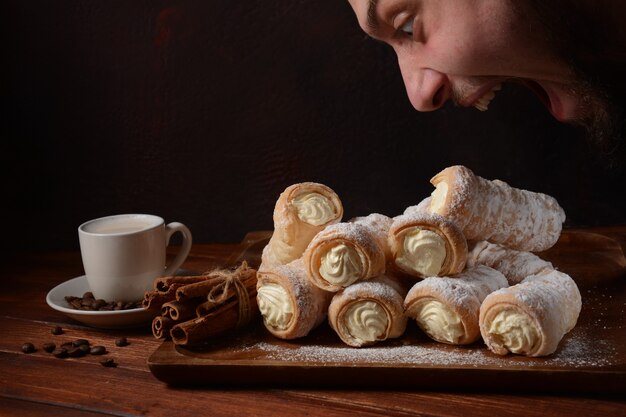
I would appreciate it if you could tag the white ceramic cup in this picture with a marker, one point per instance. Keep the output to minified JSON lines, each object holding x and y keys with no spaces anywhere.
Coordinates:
{"x":123,"y":254}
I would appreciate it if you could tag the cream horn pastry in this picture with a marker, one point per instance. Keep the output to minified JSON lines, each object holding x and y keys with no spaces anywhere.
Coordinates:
{"x":301,"y":211}
{"x":345,"y":253}
{"x":496,"y":212}
{"x":290,"y":304}
{"x":447,"y":308}
{"x":515,"y":265}
{"x":426,"y":245}
{"x":422,"y":206}
{"x":369,"y":311}
{"x":532,"y":317}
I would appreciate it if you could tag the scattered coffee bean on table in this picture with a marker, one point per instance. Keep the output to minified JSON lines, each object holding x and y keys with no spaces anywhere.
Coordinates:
{"x":56,"y":330}
{"x":108,"y":363}
{"x":75,"y":352}
{"x":88,"y":302}
{"x":28,"y":348}
{"x":98,"y":350}
{"x":85,"y":348}
{"x":49,"y":347}
{"x":78,"y":342}
{"x":122,"y":341}
{"x":60,"y":353}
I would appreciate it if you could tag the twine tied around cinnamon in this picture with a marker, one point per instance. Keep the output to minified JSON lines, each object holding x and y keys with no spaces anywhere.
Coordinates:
{"x":219,"y":293}
{"x":229,"y":303}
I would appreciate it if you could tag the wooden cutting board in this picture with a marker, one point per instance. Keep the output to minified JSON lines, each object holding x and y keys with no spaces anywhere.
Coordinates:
{"x":591,"y":358}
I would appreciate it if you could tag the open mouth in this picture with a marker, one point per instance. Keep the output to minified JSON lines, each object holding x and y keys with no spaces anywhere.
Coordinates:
{"x":556,"y":97}
{"x":544,"y":94}
{"x":548,"y":99}
{"x":536,"y":88}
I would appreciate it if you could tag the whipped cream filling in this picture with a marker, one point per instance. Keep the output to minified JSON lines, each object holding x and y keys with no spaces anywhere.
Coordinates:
{"x":341,"y":265}
{"x":314,"y":208}
{"x":275,"y":306}
{"x":439,"y":321}
{"x":422,"y":251}
{"x":438,"y":197}
{"x":367,"y":321}
{"x":515,"y":331}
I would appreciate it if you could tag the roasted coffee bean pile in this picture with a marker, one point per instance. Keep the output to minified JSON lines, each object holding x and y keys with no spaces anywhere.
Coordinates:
{"x":75,"y":348}
{"x":88,"y":302}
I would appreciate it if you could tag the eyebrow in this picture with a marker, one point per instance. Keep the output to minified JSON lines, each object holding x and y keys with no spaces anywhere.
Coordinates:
{"x":372,"y":18}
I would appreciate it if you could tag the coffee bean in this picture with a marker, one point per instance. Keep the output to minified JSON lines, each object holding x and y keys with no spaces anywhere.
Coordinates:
{"x":56,"y":330}
{"x":79,"y":342}
{"x":108,"y":363}
{"x":49,"y":347}
{"x":88,"y":303}
{"x":122,"y":341}
{"x":75,"y":352}
{"x":99,"y":303}
{"x":28,"y":348}
{"x":98,"y":350}
{"x":85,"y":348}
{"x":60,"y":353}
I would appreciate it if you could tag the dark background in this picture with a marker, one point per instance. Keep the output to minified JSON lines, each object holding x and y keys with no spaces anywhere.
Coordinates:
{"x":204,"y":111}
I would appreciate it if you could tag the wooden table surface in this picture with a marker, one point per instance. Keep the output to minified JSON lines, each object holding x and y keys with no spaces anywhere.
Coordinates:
{"x":39,"y":384}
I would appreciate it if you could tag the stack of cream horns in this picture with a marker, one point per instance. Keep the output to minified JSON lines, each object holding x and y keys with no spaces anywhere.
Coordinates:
{"x":459,"y":263}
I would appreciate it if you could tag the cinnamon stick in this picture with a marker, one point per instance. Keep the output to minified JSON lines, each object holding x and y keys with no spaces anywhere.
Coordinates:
{"x":216,"y":279}
{"x":154,"y":300}
{"x":165,"y":283}
{"x":209,"y":307}
{"x":165,"y":290}
{"x":180,"y":311}
{"x":197,"y":289}
{"x":221,"y":300}
{"x":224,"y":318}
{"x":161,"y":327}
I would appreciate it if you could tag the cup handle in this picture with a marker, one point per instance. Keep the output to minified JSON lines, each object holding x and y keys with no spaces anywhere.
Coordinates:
{"x":170,"y":229}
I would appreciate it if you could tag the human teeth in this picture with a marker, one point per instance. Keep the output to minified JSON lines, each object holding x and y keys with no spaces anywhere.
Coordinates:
{"x":480,"y":106}
{"x":482,"y":103}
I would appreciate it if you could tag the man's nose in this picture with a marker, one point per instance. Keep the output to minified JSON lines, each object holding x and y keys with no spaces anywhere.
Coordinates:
{"x":427,"y":89}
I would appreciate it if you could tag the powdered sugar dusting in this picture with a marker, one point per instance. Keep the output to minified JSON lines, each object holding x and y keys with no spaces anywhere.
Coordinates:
{"x":514,"y":265}
{"x":310,"y":303}
{"x":292,"y":235}
{"x":499,"y":213}
{"x":576,"y":352}
{"x":384,"y":287}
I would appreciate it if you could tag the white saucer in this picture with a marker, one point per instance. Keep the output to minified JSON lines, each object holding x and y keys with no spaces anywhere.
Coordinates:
{"x":103,"y":319}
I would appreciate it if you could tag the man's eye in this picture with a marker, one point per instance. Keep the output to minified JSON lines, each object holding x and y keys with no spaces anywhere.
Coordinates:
{"x":408,"y":27}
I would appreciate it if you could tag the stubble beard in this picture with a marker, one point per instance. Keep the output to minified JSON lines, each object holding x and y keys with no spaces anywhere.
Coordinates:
{"x":601,"y":91}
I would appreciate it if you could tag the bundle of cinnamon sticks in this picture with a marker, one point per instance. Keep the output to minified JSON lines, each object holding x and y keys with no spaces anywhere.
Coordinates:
{"x":192,"y":309}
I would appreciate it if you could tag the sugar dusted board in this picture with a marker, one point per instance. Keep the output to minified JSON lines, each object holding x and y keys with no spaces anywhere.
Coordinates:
{"x":591,"y":358}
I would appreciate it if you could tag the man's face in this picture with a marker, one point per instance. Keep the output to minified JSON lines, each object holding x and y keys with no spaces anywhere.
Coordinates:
{"x":464,"y":50}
